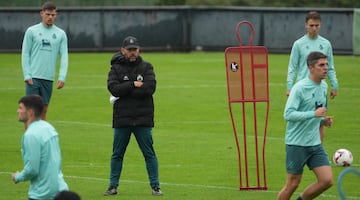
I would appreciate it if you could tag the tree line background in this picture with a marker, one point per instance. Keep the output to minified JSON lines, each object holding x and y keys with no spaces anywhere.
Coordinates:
{"x":251,"y":3}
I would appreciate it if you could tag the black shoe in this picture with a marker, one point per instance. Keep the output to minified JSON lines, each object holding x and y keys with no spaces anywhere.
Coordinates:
{"x":156,"y":191}
{"x":110,"y":191}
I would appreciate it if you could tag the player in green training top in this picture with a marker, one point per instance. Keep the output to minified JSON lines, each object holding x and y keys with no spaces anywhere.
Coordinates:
{"x":301,"y":48}
{"x":40,"y":151}
{"x":310,"y":42}
{"x":41,"y":46}
{"x":305,"y":110}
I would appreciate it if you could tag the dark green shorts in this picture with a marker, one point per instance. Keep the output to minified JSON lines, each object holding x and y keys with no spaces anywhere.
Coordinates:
{"x":298,"y":156}
{"x":40,"y":87}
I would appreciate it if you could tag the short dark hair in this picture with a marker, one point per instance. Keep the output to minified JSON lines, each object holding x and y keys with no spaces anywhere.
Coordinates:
{"x":48,"y":6}
{"x":34,"y":102}
{"x":67,"y":195}
{"x":313,"y":15}
{"x":313,"y":58}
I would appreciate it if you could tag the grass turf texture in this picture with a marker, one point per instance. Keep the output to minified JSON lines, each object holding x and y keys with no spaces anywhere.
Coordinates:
{"x":193,"y":135}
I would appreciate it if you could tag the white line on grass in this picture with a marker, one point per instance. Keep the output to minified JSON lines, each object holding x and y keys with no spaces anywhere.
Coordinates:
{"x":185,"y":185}
{"x":164,"y":87}
{"x":158,"y":87}
{"x":159,"y":123}
{"x":81,"y":123}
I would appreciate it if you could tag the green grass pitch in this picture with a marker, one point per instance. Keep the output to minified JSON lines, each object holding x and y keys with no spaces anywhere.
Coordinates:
{"x":193,"y":135}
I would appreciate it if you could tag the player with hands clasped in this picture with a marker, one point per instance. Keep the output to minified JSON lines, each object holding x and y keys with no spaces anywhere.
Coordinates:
{"x":305,"y":110}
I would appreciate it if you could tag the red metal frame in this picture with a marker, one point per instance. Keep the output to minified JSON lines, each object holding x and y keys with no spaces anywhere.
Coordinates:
{"x":261,"y":184}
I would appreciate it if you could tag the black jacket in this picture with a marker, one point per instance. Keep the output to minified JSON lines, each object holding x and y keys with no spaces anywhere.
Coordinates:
{"x":135,"y":106}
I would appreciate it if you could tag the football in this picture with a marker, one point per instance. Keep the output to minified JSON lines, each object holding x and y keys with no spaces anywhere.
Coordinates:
{"x":343,"y":157}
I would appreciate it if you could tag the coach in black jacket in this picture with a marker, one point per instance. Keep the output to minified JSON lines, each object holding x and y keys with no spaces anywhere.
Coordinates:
{"x":132,"y":80}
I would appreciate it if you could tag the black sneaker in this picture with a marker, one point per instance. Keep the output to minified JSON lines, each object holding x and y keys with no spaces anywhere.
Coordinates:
{"x":110,"y":191}
{"x":156,"y":191}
